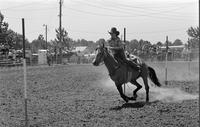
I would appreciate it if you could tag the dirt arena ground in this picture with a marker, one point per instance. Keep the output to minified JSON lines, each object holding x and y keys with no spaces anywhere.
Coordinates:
{"x":84,"y":96}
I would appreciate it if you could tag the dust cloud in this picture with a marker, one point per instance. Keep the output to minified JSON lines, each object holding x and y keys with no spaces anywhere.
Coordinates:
{"x":171,"y":94}
{"x":163,"y":94}
{"x":176,"y":71}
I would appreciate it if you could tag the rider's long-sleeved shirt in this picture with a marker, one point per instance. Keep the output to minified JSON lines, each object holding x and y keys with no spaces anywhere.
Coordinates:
{"x":115,"y":44}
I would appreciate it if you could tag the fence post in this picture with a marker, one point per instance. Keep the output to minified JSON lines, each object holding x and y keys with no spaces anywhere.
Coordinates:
{"x":25,"y":75}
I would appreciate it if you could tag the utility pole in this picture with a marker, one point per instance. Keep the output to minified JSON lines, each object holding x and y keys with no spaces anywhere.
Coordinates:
{"x":60,"y":29}
{"x":45,"y":33}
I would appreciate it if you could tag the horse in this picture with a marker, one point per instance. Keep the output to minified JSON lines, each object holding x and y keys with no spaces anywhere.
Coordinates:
{"x":121,"y":73}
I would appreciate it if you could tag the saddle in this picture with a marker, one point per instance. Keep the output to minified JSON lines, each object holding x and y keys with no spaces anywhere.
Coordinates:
{"x":131,"y":62}
{"x":133,"y":58}
{"x":128,"y":60}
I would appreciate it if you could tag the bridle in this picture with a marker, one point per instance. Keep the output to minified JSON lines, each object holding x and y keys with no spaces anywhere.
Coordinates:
{"x":101,"y":63}
{"x":102,"y":55}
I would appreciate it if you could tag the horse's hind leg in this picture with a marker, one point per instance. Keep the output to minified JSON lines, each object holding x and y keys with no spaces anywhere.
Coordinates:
{"x":146,"y":88}
{"x":135,"y":91}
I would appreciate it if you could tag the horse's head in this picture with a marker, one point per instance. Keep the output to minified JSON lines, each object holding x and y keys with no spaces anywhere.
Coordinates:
{"x":100,"y":55}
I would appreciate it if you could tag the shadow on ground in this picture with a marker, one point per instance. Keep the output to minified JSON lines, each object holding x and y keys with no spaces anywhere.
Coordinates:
{"x":139,"y":104}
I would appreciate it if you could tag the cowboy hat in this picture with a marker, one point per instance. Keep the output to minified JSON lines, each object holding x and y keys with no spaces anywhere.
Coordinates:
{"x":113,"y":30}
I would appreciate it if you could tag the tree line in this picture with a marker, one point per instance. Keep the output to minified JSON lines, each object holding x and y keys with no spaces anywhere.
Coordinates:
{"x":12,"y":39}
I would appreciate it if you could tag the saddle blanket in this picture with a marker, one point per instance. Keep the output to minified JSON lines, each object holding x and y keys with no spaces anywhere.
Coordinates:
{"x":135,"y":59}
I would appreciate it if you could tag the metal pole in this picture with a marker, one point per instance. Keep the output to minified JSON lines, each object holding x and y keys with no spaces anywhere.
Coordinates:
{"x":166,"y":60}
{"x":25,"y":75}
{"x":60,"y":29}
{"x":46,"y":34}
{"x":189,"y":58}
{"x":124,"y":49}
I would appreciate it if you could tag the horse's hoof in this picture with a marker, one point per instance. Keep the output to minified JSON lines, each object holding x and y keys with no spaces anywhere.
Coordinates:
{"x":126,"y":100}
{"x":133,"y":98}
{"x":147,"y":103}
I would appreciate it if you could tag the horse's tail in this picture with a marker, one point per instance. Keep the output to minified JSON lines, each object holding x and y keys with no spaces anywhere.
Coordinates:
{"x":153,"y":77}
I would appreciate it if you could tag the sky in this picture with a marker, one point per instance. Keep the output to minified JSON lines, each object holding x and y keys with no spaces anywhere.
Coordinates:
{"x":150,"y":20}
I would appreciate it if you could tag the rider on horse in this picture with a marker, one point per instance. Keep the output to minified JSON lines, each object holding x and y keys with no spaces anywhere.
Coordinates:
{"x":117,"y":47}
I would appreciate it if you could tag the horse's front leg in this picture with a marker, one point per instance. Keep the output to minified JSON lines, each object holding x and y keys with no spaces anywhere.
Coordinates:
{"x":119,"y":88}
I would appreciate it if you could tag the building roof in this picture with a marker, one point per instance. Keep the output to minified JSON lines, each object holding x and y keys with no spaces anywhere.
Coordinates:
{"x":173,"y":47}
{"x":79,"y":49}
{"x":43,"y":50}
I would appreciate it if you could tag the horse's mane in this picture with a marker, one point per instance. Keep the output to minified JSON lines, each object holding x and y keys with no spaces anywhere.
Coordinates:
{"x":110,"y":54}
